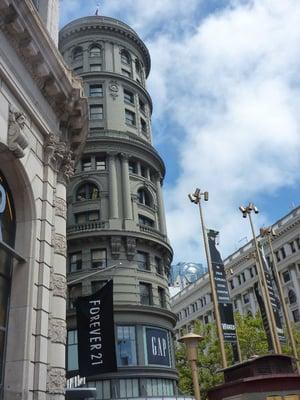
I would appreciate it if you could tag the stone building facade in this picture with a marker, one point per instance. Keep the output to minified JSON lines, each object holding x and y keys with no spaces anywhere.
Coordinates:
{"x":194,"y":302}
{"x":116,"y":223}
{"x":43,"y":125}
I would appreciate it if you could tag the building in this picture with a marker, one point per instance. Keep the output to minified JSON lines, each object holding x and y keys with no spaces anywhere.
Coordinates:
{"x":42,"y":130}
{"x":184,"y":273}
{"x":116,"y":222}
{"x":194,"y":302}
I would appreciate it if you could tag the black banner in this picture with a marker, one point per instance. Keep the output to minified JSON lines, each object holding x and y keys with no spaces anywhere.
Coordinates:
{"x":224,"y":302}
{"x":263,"y":314}
{"x":96,"y":338}
{"x":157,"y":346}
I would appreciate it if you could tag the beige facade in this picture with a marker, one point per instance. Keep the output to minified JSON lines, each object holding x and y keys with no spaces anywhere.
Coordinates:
{"x":42,"y":130}
{"x":194,"y":302}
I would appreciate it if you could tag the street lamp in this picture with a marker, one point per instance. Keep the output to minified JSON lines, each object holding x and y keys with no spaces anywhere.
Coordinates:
{"x":246,"y":211}
{"x":191,"y":341}
{"x":269,"y":233}
{"x":196,"y":199}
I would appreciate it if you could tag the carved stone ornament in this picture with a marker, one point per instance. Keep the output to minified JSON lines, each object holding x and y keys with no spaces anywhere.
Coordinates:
{"x":60,"y":207}
{"x":59,"y":156}
{"x":115,"y":244}
{"x":56,"y":381}
{"x":57,"y":331}
{"x":58,"y":285}
{"x":16,"y":139}
{"x":130,"y":247}
{"x":60,"y":244}
{"x":113,"y":89}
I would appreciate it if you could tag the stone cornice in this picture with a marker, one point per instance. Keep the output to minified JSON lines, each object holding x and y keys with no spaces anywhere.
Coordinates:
{"x":106,"y":25}
{"x":63,"y":91}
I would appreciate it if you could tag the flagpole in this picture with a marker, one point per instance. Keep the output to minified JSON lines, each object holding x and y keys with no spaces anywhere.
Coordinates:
{"x":196,"y":198}
{"x":93,"y":273}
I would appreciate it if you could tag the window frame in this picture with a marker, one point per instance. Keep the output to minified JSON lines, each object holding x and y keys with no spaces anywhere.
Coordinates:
{"x":96,"y":116}
{"x":93,"y":92}
{"x":96,"y":261}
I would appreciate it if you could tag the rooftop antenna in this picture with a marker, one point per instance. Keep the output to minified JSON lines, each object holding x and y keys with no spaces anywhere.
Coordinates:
{"x":97,"y":9}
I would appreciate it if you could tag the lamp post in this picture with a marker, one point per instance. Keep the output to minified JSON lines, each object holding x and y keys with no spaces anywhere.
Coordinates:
{"x":196,"y":199}
{"x":269,"y":233}
{"x":191,"y":341}
{"x":246,"y":211}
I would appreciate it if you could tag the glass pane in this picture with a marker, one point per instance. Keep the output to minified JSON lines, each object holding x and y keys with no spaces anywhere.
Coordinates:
{"x":126,"y":345}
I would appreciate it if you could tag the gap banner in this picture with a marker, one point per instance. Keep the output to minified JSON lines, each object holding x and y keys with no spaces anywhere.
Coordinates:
{"x":96,"y":338}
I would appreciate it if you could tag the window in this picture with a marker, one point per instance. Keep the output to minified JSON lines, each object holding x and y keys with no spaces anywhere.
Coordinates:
{"x":243,"y":276}
{"x":144,"y":197}
{"x":97,"y":285}
{"x":75,"y":261}
{"x":235,"y":304}
{"x":128,"y":96}
{"x":96,"y":111}
{"x":286,"y":276}
{"x":77,"y":53}
{"x":162,"y":297}
{"x":95,"y":51}
{"x":292,"y":297}
{"x":132,"y":167}
{"x":126,"y":73}
{"x":251,"y":272}
{"x":129,"y":117}
{"x":146,"y":293}
{"x":206,"y":321}
{"x":85,"y":217}
{"x":296,"y":315}
{"x":159,"y":387}
{"x":246,"y":298}
{"x":126,"y":388}
{"x":125,"y":57}
{"x":142,"y":105}
{"x":292,"y":246}
{"x":95,"y":67}
{"x":98,"y":258}
{"x":145,"y":221}
{"x":231,"y":284}
{"x":143,"y":260}
{"x":86,"y":164}
{"x":298,"y":243}
{"x":102,"y":388}
{"x":239,"y":279}
{"x":277,"y":256}
{"x":100,"y":163}
{"x":138,"y":67}
{"x":144,"y":171}
{"x":96,"y":91}
{"x":72,"y":355}
{"x":126,"y":346}
{"x":74,"y":291}
{"x":283,"y":252}
{"x":143,"y":125}
{"x":158,"y":265}
{"x":87,"y":191}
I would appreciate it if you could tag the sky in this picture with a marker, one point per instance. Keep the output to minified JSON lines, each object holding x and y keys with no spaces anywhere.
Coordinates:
{"x":225,"y":85}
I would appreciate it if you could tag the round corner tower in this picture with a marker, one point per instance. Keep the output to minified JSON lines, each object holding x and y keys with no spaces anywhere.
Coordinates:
{"x":116,"y":220}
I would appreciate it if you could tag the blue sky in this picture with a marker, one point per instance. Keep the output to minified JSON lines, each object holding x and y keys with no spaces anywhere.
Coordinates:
{"x":225,"y":87}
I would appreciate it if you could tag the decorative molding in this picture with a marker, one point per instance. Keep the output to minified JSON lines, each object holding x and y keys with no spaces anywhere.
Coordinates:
{"x":60,"y":244}
{"x":58,"y":285}
{"x":114,"y":89}
{"x":60,"y":207}
{"x":57,"y":330}
{"x":56,"y":381}
{"x":16,"y":139}
{"x":59,"y":156}
{"x":130,"y":247}
{"x":115,"y":246}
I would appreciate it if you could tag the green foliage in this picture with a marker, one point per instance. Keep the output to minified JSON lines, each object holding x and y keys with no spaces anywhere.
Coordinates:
{"x":251,"y":335}
{"x":286,"y":347}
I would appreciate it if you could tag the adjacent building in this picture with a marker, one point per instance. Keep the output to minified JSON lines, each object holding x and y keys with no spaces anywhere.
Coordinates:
{"x":195,"y":303}
{"x":43,"y":125}
{"x":116,"y":223}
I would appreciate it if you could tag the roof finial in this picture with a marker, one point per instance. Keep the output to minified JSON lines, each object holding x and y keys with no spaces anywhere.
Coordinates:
{"x":97,"y":9}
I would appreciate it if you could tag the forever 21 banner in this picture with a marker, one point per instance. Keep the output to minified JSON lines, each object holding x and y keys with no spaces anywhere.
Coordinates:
{"x":96,"y":339}
{"x":224,"y":302}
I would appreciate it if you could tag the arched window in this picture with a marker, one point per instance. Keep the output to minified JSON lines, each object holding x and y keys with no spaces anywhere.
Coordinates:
{"x":144,"y":197}
{"x":292,"y":297}
{"x":77,"y":53}
{"x":125,"y":57}
{"x":95,"y":51}
{"x":138,"y":67}
{"x":87,"y":191}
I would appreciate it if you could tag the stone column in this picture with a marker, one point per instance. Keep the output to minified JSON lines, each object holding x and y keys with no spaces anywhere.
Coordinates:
{"x":126,"y":187}
{"x":160,"y":205}
{"x":252,"y":302}
{"x":113,"y":186}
